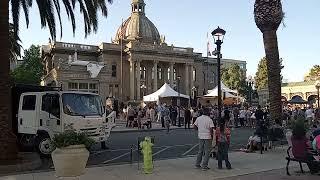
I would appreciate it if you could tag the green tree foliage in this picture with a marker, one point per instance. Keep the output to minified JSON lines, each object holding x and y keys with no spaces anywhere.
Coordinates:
{"x":314,"y":73}
{"x":31,"y":70}
{"x":261,"y":78}
{"x":15,"y":46}
{"x":234,"y":77}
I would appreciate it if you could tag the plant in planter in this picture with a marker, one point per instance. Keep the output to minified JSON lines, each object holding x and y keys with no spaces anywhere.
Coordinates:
{"x":71,"y":154}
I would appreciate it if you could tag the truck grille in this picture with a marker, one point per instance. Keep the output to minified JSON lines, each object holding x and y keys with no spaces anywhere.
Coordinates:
{"x":90,"y":131}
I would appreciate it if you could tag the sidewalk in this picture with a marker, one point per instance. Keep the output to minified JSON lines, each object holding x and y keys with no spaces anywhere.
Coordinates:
{"x":183,"y":168}
{"x":121,"y":127}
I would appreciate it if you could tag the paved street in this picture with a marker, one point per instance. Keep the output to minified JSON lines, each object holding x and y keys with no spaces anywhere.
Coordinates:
{"x":279,"y":174}
{"x":178,"y":143}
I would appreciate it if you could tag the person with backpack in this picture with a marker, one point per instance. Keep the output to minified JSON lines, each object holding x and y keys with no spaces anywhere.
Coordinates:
{"x":223,"y":141}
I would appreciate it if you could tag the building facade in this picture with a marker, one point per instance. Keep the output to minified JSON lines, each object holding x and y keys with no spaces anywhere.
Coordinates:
{"x":137,"y":62}
{"x":305,"y":89}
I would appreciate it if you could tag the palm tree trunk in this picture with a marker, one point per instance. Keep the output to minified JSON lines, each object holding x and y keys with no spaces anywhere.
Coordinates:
{"x":8,"y":146}
{"x":274,"y":71}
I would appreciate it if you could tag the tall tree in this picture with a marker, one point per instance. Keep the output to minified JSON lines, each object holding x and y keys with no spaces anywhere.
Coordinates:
{"x":314,"y":74}
{"x":15,"y":46}
{"x":268,"y":16}
{"x":49,"y":10}
{"x":261,"y":78}
{"x":31,"y":70}
{"x":234,"y":77}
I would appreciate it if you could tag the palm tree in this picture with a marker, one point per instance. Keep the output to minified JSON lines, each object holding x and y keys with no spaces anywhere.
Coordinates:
{"x":268,"y":16}
{"x":14,"y":43}
{"x":49,"y":10}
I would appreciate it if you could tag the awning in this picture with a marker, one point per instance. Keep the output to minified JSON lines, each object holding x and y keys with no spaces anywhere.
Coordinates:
{"x":164,"y":91}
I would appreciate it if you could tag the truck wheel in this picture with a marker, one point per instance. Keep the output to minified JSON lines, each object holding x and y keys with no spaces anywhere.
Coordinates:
{"x":103,"y":145}
{"x":44,"y":145}
{"x":26,"y":143}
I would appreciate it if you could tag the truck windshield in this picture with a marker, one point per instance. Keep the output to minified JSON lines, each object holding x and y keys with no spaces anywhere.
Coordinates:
{"x":82,"y":104}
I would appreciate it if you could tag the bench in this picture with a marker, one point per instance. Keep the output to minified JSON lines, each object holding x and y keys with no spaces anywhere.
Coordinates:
{"x":300,"y":161}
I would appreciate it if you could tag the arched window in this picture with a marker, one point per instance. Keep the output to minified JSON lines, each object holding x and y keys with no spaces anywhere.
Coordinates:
{"x":143,"y":72}
{"x":152,"y":73}
{"x":194,"y":74}
{"x":174,"y":74}
{"x":169,"y":74}
{"x":160,"y":73}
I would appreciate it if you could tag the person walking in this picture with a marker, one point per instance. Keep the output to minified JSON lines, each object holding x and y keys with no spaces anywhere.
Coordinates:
{"x":166,"y":117}
{"x":243,"y":115}
{"x":173,"y":114}
{"x":130,"y":116}
{"x":152,"y":116}
{"x":204,"y":126}
{"x":309,"y":115}
{"x":223,"y":142}
{"x":194,"y":114}
{"x":160,"y":114}
{"x":182,"y":113}
{"x":259,"y":115}
{"x":187,"y":119}
{"x":236,"y":116}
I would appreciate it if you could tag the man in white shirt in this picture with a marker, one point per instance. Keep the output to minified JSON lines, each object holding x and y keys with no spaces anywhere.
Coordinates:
{"x":204,"y":126}
{"x":309,"y":115}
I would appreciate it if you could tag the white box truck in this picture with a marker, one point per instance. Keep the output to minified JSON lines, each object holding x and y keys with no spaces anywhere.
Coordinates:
{"x":43,"y":113}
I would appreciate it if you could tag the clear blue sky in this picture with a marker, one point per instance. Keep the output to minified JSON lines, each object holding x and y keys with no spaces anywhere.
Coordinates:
{"x":185,"y":23}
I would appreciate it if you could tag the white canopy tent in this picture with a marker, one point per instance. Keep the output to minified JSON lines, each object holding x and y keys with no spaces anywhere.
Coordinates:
{"x":164,"y":91}
{"x":214,"y":93}
{"x":224,"y":88}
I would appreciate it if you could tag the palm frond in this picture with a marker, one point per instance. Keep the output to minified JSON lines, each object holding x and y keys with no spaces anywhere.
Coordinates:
{"x":14,"y":43}
{"x":48,"y":9}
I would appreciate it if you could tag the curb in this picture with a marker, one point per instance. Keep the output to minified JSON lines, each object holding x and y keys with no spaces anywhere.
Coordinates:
{"x":143,"y":130}
{"x":31,"y":161}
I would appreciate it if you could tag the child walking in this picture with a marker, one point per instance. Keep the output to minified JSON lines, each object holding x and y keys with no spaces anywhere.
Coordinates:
{"x":223,"y":142}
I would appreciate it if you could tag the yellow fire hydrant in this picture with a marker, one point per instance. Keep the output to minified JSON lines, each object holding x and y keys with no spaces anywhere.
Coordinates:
{"x":146,"y":147}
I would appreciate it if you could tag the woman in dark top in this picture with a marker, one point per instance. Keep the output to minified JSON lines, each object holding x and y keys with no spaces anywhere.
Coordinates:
{"x":301,"y":149}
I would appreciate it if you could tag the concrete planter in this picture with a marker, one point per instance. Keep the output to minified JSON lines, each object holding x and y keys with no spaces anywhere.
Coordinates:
{"x":70,"y":161}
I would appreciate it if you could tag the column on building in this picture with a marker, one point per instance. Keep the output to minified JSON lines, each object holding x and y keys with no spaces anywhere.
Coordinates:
{"x":155,"y":77}
{"x":191,"y":77}
{"x":171,"y":73}
{"x":149,"y":79}
{"x":138,"y":86}
{"x":165,"y":73}
{"x":132,"y":74}
{"x":187,"y":86}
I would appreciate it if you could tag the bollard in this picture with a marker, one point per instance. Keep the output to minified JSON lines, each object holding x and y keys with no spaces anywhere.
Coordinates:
{"x":131,"y":154}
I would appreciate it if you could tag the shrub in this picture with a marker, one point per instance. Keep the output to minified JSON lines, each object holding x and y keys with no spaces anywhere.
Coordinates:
{"x":69,"y":138}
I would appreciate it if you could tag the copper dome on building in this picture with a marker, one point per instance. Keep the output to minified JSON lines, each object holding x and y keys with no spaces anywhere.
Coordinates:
{"x":138,"y":26}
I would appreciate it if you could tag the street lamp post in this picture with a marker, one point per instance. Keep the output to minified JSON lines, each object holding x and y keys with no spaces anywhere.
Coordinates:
{"x":218,"y":36}
{"x":178,"y":101}
{"x":143,"y":88}
{"x":250,"y":83}
{"x":318,"y":89}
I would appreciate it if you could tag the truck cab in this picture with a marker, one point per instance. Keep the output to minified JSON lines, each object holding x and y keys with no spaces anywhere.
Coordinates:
{"x":41,"y":115}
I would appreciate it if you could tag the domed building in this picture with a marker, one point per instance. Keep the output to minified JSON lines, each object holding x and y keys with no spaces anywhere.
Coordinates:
{"x":136,"y":63}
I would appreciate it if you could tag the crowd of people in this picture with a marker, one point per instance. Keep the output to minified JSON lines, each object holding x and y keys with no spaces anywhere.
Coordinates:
{"x":162,"y":113}
{"x":215,"y":135}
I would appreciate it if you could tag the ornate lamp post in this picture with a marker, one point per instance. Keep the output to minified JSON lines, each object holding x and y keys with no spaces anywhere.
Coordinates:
{"x":218,"y":36}
{"x":317,"y":84}
{"x":250,"y":84}
{"x":178,"y":101}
